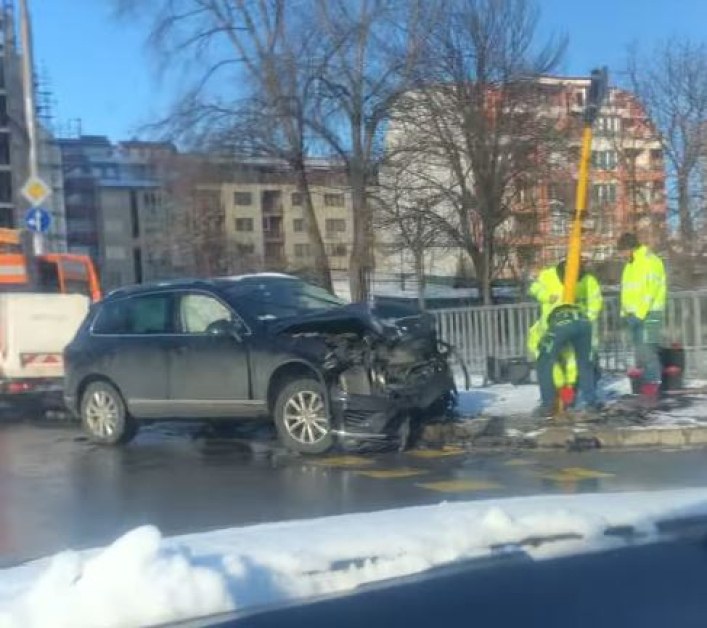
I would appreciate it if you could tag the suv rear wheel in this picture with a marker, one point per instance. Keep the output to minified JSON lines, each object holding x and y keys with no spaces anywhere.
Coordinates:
{"x":104,"y":417}
{"x":301,"y":417}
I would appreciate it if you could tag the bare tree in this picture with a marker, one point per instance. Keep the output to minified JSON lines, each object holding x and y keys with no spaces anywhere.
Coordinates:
{"x":372,"y":48}
{"x":479,"y":119}
{"x":253,"y":69}
{"x":404,"y":217}
{"x":671,"y":83}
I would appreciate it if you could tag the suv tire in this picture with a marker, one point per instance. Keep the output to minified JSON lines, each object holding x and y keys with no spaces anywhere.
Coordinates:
{"x":301,"y":417}
{"x":104,"y":416}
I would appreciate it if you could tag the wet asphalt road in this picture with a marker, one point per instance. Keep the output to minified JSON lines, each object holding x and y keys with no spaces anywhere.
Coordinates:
{"x":57,"y":490}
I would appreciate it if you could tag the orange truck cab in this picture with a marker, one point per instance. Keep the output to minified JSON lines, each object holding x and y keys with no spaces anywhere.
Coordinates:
{"x":56,"y":273}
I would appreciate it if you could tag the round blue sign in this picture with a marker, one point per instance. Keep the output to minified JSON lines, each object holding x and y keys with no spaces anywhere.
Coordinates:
{"x":38,"y":219}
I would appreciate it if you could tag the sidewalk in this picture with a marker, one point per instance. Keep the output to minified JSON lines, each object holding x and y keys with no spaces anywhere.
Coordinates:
{"x":501,"y":416}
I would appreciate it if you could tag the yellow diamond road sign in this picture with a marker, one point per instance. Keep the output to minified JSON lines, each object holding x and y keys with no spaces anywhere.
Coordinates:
{"x":35,"y":190}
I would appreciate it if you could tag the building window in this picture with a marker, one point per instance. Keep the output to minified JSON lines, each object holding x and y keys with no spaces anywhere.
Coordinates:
{"x":245,"y":248}
{"x":297,"y":198}
{"x":302,"y":250}
{"x":334,"y":200}
{"x":335,"y":225}
{"x":134,"y":214}
{"x":604,"y":159}
{"x":558,"y":221}
{"x":608,"y":125}
{"x":656,"y":155}
{"x":298,"y":225}
{"x":603,"y":193}
{"x":244,"y":224}
{"x":336,"y":250}
{"x":579,"y":96}
{"x":242,"y":199}
{"x":5,"y":187}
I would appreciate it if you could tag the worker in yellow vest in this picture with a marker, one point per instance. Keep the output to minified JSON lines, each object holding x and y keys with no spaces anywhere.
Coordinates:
{"x":562,"y":339}
{"x":643,"y":296}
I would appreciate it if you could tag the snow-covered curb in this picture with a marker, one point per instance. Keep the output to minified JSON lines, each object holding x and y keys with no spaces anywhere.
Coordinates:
{"x":143,"y":579}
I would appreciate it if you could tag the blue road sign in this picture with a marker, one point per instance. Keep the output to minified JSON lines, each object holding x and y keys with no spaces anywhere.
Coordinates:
{"x":38,"y":219}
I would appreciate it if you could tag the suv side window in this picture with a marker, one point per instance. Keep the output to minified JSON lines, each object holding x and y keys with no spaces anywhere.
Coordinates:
{"x":148,"y":314}
{"x":198,"y":311}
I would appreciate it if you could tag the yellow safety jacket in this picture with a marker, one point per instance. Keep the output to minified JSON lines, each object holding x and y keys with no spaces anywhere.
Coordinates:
{"x":643,"y":284}
{"x":589,"y":298}
{"x":548,"y":290}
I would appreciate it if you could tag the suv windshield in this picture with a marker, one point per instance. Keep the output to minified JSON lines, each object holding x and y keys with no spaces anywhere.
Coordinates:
{"x":274,"y":299}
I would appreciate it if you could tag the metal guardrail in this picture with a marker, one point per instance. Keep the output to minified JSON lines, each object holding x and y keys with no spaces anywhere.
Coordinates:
{"x":501,"y":331}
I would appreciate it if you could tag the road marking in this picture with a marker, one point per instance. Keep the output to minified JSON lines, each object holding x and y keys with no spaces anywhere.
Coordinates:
{"x":386,"y":474}
{"x":575,"y":474}
{"x":460,"y":486}
{"x":436,"y":453}
{"x":519,"y":462}
{"x":343,"y":461}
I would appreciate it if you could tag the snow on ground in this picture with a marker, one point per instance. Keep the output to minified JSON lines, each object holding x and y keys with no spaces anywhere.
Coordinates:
{"x":509,"y":400}
{"x":143,"y":579}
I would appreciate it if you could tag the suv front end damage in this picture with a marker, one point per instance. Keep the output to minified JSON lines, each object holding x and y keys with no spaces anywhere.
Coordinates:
{"x":383,"y":378}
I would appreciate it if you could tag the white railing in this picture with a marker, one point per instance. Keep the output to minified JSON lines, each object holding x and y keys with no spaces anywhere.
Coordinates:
{"x":501,"y":331}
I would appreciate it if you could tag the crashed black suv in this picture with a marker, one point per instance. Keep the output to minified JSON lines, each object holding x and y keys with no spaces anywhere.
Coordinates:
{"x":256,"y":345}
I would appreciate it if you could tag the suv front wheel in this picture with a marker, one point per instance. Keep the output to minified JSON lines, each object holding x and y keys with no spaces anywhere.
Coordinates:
{"x":301,"y":417}
{"x":104,"y":417}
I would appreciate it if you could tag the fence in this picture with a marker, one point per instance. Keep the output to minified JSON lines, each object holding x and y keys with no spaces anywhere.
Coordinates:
{"x":501,"y":331}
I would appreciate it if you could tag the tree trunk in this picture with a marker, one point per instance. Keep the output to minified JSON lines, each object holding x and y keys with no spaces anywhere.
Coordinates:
{"x":321,"y":262}
{"x":420,"y":275}
{"x":359,"y":265}
{"x":486,"y":270}
{"x":686,"y":227}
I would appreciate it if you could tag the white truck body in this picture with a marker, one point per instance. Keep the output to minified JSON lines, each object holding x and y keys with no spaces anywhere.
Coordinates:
{"x":34,"y":329}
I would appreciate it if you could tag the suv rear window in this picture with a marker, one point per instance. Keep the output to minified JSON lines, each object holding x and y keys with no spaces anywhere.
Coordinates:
{"x":149,"y":314}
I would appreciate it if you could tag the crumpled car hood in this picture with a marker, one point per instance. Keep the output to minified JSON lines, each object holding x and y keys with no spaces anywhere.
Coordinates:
{"x":354,"y":318}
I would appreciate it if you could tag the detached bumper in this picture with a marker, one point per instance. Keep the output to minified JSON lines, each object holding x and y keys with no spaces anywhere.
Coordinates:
{"x":378,"y":417}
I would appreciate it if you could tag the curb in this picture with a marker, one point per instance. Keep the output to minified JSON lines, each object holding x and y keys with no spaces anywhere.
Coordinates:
{"x":491,"y":432}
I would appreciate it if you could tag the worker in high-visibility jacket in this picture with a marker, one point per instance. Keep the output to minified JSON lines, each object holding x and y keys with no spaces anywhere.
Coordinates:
{"x":563,"y":340}
{"x":643,"y":295}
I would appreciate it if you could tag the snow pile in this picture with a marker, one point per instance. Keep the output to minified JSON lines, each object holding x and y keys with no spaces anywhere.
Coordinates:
{"x":133,"y":582}
{"x":142,"y":579}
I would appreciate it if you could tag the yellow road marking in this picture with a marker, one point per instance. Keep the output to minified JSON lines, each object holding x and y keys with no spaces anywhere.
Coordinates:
{"x":519,"y":462}
{"x":343,"y":461}
{"x":436,"y":453}
{"x":575,"y":474}
{"x":385,"y":474}
{"x":459,"y":486}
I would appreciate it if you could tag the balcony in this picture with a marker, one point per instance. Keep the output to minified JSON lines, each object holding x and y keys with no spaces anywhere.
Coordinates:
{"x":271,"y":202}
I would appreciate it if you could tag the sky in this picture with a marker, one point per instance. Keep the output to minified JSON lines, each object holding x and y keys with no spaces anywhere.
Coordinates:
{"x":101,"y":72}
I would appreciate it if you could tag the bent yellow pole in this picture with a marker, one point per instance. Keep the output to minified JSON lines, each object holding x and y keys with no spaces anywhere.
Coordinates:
{"x":574,"y":248}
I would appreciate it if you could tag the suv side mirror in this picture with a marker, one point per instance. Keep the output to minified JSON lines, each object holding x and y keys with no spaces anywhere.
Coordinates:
{"x":223,"y":327}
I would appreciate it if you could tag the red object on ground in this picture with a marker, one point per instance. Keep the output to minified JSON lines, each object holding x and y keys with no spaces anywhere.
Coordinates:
{"x":650,"y":390}
{"x":567,"y":395}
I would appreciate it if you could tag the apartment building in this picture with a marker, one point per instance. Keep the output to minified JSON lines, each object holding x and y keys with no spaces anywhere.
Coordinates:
{"x":627,"y":189}
{"x":627,"y":181}
{"x":264,"y":221}
{"x":113,"y":199}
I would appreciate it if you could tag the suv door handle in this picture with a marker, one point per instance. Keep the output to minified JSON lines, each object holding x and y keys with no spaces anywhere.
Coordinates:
{"x":181,"y":349}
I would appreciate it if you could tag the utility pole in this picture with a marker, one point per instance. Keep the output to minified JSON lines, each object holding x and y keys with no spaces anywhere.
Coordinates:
{"x":30,"y":114}
{"x":595,"y":95}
